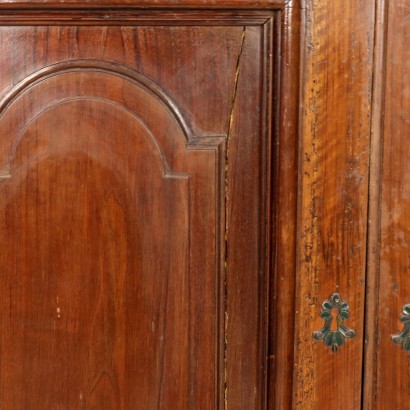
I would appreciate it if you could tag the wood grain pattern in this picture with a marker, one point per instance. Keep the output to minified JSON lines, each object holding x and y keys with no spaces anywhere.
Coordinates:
{"x":84,"y":218}
{"x":140,"y":50}
{"x":132,"y":16}
{"x":333,"y":204}
{"x":391,"y":370}
{"x":138,"y":197}
{"x":83,"y":308}
{"x":208,"y":4}
{"x":284,"y":201}
{"x":245,"y":142}
{"x":371,"y":341}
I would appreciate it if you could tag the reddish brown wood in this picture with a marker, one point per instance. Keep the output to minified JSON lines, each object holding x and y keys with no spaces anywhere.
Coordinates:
{"x":245,"y":144}
{"x":206,"y":4}
{"x":139,"y":49}
{"x":132,"y":17}
{"x":284,"y":201}
{"x":100,"y":185}
{"x":138,"y":199}
{"x":92,"y":300}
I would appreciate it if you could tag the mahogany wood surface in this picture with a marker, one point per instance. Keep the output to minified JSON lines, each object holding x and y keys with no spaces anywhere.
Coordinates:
{"x":244,"y":142}
{"x":334,"y":160}
{"x":140,"y":165}
{"x":154,"y":165}
{"x":284,"y":200}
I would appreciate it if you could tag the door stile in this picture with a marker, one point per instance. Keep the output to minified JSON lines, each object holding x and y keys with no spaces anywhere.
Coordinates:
{"x":371,"y":334}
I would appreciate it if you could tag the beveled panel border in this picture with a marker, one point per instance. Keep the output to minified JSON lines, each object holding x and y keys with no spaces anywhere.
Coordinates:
{"x":132,"y":17}
{"x":153,"y":4}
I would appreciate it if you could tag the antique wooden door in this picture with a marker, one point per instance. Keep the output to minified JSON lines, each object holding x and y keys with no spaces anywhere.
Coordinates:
{"x":204,"y":205}
{"x":139,"y":149}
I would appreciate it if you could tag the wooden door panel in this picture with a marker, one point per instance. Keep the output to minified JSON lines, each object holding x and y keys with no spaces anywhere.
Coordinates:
{"x":135,"y":165}
{"x":98,"y":224}
{"x":71,"y":203}
{"x":97,"y":228}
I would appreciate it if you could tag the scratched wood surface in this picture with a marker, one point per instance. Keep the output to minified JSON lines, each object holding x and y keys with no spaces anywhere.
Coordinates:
{"x":113,"y":220}
{"x":337,"y":79}
{"x":388,"y":374}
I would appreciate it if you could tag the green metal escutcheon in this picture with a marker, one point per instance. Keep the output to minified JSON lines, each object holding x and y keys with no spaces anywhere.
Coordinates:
{"x":334,"y":338}
{"x":403,"y":338}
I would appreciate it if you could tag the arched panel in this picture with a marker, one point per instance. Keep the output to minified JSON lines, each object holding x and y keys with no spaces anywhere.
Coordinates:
{"x":85,"y":79}
{"x":101,"y":294}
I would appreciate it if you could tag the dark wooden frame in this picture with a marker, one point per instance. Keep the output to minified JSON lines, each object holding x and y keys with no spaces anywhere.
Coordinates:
{"x":281,"y":21}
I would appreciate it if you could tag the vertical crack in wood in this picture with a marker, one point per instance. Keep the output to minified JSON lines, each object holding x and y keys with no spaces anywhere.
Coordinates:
{"x":228,"y":135}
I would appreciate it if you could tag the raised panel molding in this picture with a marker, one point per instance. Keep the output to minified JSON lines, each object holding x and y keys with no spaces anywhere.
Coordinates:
{"x":153,"y":4}
{"x":83,"y":91}
{"x":226,"y":191}
{"x":83,"y":214}
{"x":91,"y":79}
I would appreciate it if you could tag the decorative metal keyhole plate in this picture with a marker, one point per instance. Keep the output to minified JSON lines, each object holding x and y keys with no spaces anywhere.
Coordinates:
{"x":334,"y":338}
{"x":403,"y":338}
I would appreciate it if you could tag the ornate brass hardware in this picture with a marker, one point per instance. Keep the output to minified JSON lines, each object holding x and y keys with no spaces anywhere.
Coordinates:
{"x":403,"y":338}
{"x":334,"y":338}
